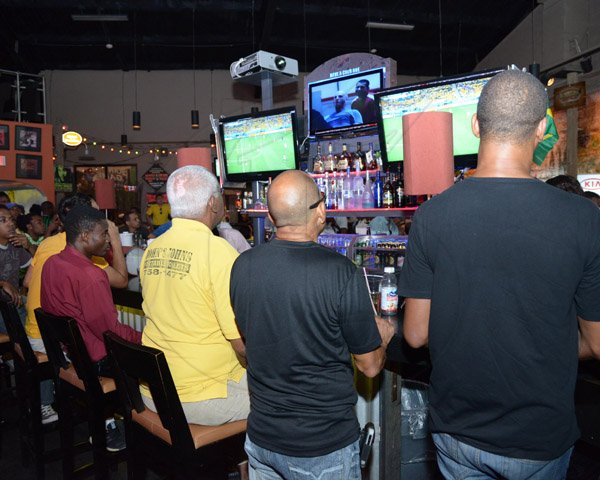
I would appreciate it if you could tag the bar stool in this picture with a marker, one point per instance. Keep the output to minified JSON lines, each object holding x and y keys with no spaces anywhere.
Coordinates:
{"x":188,"y":446}
{"x":78,"y":380}
{"x":31,"y":368}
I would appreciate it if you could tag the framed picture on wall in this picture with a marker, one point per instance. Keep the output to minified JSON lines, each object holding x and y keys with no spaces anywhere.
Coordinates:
{"x":28,"y":138}
{"x":85,"y":175}
{"x":122,"y":175}
{"x":29,"y":166}
{"x":4,"y":138}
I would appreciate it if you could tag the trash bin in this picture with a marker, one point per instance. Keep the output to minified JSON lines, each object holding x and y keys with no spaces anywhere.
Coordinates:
{"x":417,"y":451}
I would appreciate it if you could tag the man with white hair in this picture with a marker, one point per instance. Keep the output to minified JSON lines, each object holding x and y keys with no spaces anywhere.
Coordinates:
{"x":185,"y":283}
{"x":343,"y":116}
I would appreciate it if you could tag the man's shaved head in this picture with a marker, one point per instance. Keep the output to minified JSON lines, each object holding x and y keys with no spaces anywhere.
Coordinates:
{"x":289,"y":197}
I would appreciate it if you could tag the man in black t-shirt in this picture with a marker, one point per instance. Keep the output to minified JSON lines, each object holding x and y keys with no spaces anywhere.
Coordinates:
{"x":500,"y":272}
{"x":305,"y":314}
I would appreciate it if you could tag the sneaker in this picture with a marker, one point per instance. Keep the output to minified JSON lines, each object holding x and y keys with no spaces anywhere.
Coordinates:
{"x":115,"y":441}
{"x":48,"y":414}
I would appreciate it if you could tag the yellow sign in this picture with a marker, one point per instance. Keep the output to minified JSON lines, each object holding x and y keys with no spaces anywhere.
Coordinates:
{"x":72,"y":139}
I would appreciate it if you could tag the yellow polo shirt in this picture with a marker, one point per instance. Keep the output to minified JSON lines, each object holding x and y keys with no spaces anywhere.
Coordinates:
{"x":159,"y":214}
{"x":185,"y":284}
{"x":50,"y":246}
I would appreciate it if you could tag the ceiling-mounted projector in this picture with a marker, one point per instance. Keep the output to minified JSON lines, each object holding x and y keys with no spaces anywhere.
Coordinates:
{"x":262,"y":61}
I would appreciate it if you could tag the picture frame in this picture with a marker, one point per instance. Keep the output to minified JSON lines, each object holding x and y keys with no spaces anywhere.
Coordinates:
{"x":85,"y":175}
{"x":122,"y":175}
{"x":4,"y":137}
{"x":29,"y":166}
{"x":28,"y":138}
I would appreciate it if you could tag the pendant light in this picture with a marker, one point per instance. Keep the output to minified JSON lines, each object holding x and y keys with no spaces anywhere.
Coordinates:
{"x":137,"y":120}
{"x":194,"y":113}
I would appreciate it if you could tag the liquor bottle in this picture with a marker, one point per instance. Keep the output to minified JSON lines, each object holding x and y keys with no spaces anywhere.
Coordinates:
{"x":357,"y":188}
{"x":238,"y":200}
{"x":388,"y":192}
{"x":344,"y":159}
{"x":318,"y":160}
{"x":339,"y":191}
{"x":329,"y":162}
{"x":371,"y":160}
{"x":399,"y":191}
{"x":333,"y":190}
{"x":367,"y":196}
{"x":347,"y":191}
{"x":378,"y":191}
{"x":358,"y":158}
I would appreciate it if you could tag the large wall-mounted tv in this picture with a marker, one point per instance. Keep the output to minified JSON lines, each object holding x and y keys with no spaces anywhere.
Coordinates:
{"x":344,"y":102}
{"x":259,"y":145}
{"x":458,"y":95}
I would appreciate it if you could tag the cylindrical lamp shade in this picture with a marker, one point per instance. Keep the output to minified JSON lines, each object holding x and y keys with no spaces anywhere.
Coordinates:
{"x":137,"y":120}
{"x":105,"y":194}
{"x":428,"y":156}
{"x":195,"y":119}
{"x":195,"y":156}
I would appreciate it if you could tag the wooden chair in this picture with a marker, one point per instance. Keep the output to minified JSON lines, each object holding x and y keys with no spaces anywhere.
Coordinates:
{"x":189,"y":447}
{"x":77,"y":380}
{"x":31,"y":368}
{"x":5,"y":348}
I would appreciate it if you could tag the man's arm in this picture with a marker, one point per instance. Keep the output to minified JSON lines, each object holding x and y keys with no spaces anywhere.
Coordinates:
{"x":240,"y":350}
{"x":117,"y":273}
{"x":589,"y":339}
{"x":371,"y":363}
{"x":416,"y":321}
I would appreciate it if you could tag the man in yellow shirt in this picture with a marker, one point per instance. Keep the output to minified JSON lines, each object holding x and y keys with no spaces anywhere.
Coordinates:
{"x":158,"y":212}
{"x":185,"y":283}
{"x":117,"y":277}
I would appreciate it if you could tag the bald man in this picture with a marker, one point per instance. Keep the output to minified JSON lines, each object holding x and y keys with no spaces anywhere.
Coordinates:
{"x":305,"y":314}
{"x":343,"y":116}
{"x":504,"y":317}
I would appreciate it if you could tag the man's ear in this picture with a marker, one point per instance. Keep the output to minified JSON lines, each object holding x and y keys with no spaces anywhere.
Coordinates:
{"x":475,"y":125}
{"x":541,"y":130}
{"x":212,"y":204}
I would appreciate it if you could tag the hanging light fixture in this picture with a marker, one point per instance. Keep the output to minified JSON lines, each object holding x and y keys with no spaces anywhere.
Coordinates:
{"x":137,"y":120}
{"x":194,"y":112}
{"x":123,"y":135}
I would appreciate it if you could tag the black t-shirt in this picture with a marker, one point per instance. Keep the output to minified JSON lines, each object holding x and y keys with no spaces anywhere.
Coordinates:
{"x":507,"y":264}
{"x":303,"y":309}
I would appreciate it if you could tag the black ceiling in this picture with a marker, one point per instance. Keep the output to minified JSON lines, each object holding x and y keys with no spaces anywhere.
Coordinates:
{"x":38,"y":35}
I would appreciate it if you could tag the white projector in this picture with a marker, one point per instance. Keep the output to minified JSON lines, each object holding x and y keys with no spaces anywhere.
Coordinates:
{"x":263,"y":61}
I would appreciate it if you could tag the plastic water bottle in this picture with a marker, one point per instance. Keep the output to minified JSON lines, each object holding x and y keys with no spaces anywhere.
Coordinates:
{"x":367,"y":196}
{"x":389,"y":292}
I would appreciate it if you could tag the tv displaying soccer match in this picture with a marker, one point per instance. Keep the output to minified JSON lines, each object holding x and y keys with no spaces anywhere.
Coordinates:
{"x":458,"y":95}
{"x":259,"y":146}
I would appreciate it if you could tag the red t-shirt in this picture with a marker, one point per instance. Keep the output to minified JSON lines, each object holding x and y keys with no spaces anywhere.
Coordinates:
{"x":72,"y":286}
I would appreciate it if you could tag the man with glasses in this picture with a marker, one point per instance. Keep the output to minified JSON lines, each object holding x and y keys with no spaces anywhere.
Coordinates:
{"x":306,"y":317}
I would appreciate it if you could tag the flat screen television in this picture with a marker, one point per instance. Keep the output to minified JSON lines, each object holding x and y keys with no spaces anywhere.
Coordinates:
{"x":259,"y":145}
{"x":458,"y":95}
{"x":344,"y":102}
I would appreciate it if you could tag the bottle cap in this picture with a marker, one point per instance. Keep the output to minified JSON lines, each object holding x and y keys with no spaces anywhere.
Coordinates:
{"x":389,"y":270}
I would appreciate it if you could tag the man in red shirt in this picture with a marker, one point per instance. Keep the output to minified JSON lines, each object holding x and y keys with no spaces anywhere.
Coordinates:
{"x":72,"y":286}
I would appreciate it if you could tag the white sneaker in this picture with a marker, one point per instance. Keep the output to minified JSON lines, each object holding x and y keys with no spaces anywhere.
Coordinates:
{"x":48,"y":414}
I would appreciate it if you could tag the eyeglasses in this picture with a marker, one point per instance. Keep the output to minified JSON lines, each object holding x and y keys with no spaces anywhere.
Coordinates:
{"x":316,"y":204}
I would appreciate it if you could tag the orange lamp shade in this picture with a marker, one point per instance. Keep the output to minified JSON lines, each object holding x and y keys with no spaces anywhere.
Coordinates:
{"x":195,"y":156}
{"x":428,"y":152}
{"x":105,"y":194}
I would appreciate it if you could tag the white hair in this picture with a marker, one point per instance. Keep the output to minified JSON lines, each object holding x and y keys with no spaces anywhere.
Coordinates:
{"x":189,"y":189}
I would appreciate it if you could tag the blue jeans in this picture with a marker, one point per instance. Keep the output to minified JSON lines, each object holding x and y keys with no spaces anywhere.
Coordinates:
{"x":263,"y":464}
{"x":459,"y":461}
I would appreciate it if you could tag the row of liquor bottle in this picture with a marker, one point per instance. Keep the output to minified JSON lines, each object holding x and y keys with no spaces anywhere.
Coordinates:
{"x":344,"y":191}
{"x":339,"y":162}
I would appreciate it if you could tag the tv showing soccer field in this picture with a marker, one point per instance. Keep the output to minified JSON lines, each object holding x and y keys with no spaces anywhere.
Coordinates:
{"x":259,"y":145}
{"x":457,"y":95}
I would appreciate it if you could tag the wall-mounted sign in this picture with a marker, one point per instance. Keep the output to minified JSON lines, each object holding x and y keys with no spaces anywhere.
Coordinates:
{"x":569,"y":96}
{"x":156,"y":176}
{"x":72,"y":139}
{"x":590,"y":182}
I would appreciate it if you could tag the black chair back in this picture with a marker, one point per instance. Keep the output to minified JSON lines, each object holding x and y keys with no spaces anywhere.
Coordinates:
{"x":16,"y":332}
{"x":59,"y":332}
{"x":134,"y":364}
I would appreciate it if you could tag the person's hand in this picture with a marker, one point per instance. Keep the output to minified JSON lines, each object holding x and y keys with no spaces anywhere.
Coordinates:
{"x":387,"y":329}
{"x":19,"y":240}
{"x":12,"y":292}
{"x":113,"y":234}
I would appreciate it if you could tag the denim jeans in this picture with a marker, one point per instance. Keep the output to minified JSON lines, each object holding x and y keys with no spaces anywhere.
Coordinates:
{"x":343,"y":464}
{"x":46,"y":386}
{"x":459,"y":461}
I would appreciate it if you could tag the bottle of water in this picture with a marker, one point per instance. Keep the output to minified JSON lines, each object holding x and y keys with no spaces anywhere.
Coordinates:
{"x":389,"y":292}
{"x":367,"y":197}
{"x":357,"y":189}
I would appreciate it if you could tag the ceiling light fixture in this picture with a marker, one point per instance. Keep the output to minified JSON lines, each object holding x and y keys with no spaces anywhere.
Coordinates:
{"x":390,"y":26}
{"x":194,"y":112}
{"x":99,"y":18}
{"x":137,"y":121}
